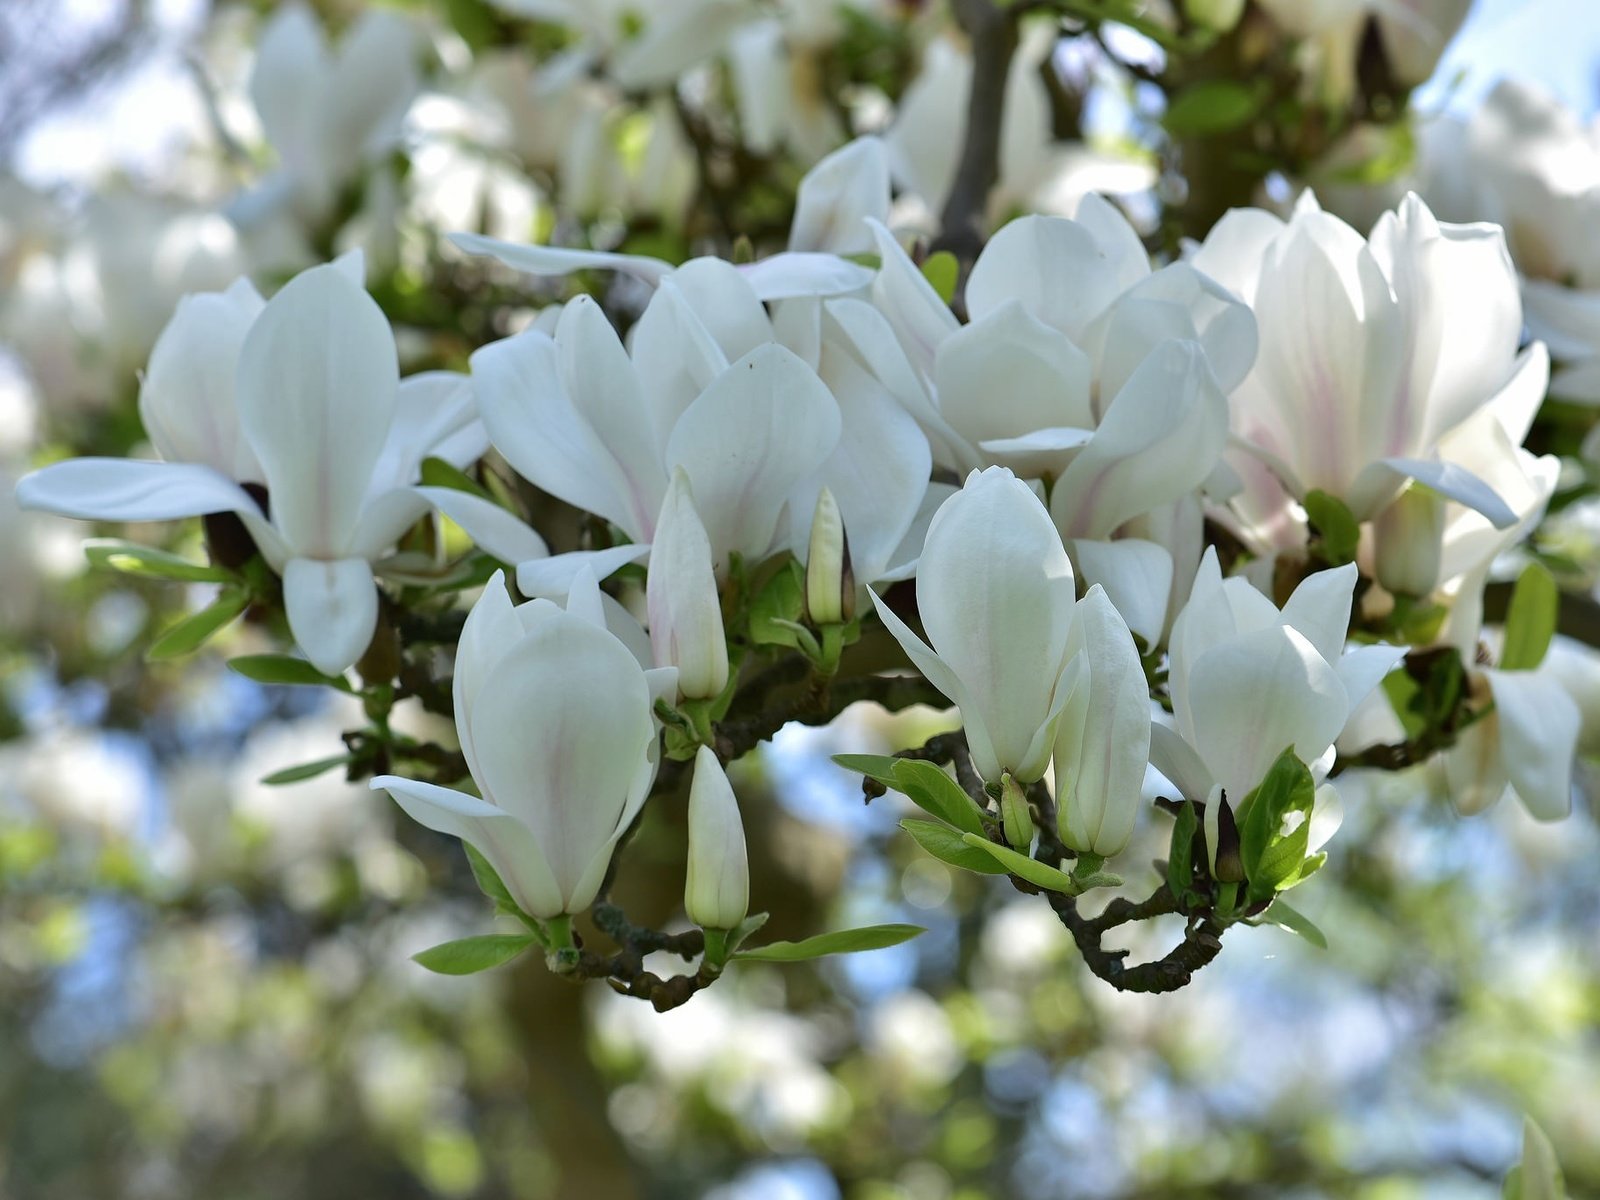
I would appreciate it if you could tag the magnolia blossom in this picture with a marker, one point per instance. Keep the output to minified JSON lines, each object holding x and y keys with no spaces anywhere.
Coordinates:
{"x":1115,"y":379}
{"x":1247,"y":680}
{"x":1524,"y":744}
{"x":1373,"y":352}
{"x":554,"y":716}
{"x":299,"y":396}
{"x":995,"y":593}
{"x":327,"y":113}
{"x":1412,"y":33}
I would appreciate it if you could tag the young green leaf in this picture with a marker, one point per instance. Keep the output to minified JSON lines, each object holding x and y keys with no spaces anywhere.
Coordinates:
{"x":473,"y":954}
{"x":1530,"y":619}
{"x":879,"y":767}
{"x":935,"y":792}
{"x":1035,"y":872}
{"x":489,"y":881}
{"x":846,"y":941}
{"x":133,"y":559}
{"x":1337,"y":529}
{"x":309,"y":770}
{"x":284,"y":669}
{"x":438,"y":473}
{"x":1271,"y":855}
{"x":946,"y":845}
{"x":196,"y":629}
{"x":777,"y":610}
{"x":942,"y":271}
{"x":1212,"y":106}
{"x":1180,"y":855}
{"x":742,"y":932}
{"x":1284,"y":917}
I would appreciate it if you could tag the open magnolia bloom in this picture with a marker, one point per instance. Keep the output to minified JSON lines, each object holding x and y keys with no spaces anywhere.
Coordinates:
{"x":554,"y":716}
{"x":1248,"y":680}
{"x":1116,"y":379}
{"x":301,"y":396}
{"x":328,"y":113}
{"x":1372,"y":351}
{"x":995,"y":593}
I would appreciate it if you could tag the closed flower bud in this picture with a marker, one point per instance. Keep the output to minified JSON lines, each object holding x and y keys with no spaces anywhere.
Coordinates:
{"x":1222,"y":839}
{"x":830,"y":581}
{"x":1407,"y":537}
{"x":1015,"y":818}
{"x":716,"y":894}
{"x":681,"y":594}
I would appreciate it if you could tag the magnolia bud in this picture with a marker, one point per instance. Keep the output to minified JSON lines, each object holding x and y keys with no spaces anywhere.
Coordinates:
{"x":1015,"y":818}
{"x":681,"y":595}
{"x":1407,"y":537}
{"x":1222,"y":838}
{"x":716,"y":893}
{"x":830,"y":581}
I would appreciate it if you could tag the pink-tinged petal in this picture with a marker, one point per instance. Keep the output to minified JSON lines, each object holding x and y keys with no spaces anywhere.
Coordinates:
{"x":506,"y":842}
{"x":122,"y":489}
{"x":492,"y":529}
{"x":562,"y":728}
{"x":317,"y":387}
{"x":1160,"y":438}
{"x":332,"y":609}
{"x":560,"y":260}
{"x":763,"y":425}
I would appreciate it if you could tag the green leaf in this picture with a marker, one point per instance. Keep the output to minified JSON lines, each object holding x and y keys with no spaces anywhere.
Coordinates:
{"x":1538,"y":1176}
{"x":845,"y":941}
{"x":1180,"y":856}
{"x":946,"y":845}
{"x":133,"y":559}
{"x":438,"y":473}
{"x":1530,"y":619}
{"x":942,"y":271}
{"x":874,"y":766}
{"x":285,"y":669}
{"x":473,"y":954}
{"x":489,"y":881}
{"x":741,"y":932}
{"x":1035,"y":872}
{"x":777,"y":610}
{"x":1338,"y":531}
{"x":931,"y":790}
{"x":1212,"y":106}
{"x":1284,"y":917}
{"x":196,"y":629}
{"x":1272,"y":857}
{"x":308,"y":770}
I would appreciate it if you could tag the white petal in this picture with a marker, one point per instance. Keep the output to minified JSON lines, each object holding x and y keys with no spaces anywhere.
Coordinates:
{"x":681,"y":591}
{"x":1320,"y":609}
{"x":1179,"y":762}
{"x":837,"y":195}
{"x":1256,"y":694}
{"x":1136,"y":576}
{"x":318,"y":376}
{"x":1056,"y":268}
{"x":121,"y":489}
{"x":804,"y":273}
{"x":1539,"y":726}
{"x":1448,"y":479}
{"x":332,"y":609}
{"x":506,"y":842}
{"x":553,"y":576}
{"x":920,"y":319}
{"x":559,"y":260}
{"x":763,"y":425}
{"x":936,"y":672}
{"x":492,"y":529}
{"x":292,"y":59}
{"x":1363,"y":669}
{"x":372,"y":87}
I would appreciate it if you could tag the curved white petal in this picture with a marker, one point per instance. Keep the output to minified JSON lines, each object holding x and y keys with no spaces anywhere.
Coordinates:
{"x":121,"y":489}
{"x":491,"y":528}
{"x":804,"y":273}
{"x":317,"y":389}
{"x":553,"y":576}
{"x":332,"y":609}
{"x":506,"y":842}
{"x":1539,"y":725}
{"x":837,"y":195}
{"x":560,"y":260}
{"x":1135,"y":575}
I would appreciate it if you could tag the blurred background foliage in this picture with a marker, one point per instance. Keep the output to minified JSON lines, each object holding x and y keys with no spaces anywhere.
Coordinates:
{"x":205,"y":989}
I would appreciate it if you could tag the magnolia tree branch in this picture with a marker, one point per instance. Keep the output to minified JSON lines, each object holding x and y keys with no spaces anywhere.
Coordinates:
{"x":992,"y":31}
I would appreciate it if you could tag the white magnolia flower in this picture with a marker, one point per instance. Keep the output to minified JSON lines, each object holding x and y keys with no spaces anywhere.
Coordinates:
{"x":554,"y":717}
{"x":328,"y":113}
{"x":716,"y":893}
{"x":1116,"y":379}
{"x":300,"y":395}
{"x":1247,"y":680}
{"x":1412,"y":33}
{"x":995,"y":594}
{"x":1524,"y":744}
{"x":1372,"y":352}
